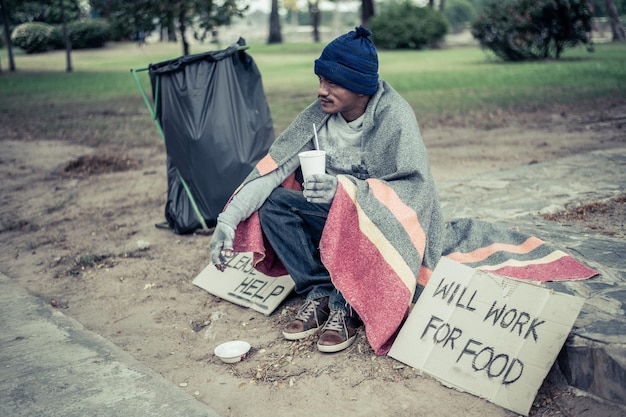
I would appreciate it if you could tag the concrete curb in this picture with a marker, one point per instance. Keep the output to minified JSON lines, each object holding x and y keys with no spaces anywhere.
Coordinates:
{"x":53,"y":366}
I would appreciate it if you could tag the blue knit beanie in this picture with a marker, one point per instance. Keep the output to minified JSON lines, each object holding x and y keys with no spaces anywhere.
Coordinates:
{"x":351,"y":62}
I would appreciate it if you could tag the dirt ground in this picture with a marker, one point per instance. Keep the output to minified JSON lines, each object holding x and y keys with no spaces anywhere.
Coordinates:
{"x":77,"y":228}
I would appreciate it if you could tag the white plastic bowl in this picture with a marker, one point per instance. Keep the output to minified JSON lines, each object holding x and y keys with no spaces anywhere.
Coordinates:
{"x":231,"y":352}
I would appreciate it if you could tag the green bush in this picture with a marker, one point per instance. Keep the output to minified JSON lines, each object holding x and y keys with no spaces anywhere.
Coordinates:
{"x":34,"y":37}
{"x":517,"y":30}
{"x":89,"y":33}
{"x":459,"y":14}
{"x":403,"y":25}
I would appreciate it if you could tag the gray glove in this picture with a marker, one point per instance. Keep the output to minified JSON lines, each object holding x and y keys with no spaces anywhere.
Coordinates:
{"x":320,"y":188}
{"x":221,"y":245}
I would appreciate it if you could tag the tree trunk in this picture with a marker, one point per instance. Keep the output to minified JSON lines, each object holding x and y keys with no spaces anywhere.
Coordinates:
{"x":182,"y":27}
{"x":170,"y":27}
{"x":66,"y":39}
{"x":274,"y":35}
{"x":431,"y":4}
{"x":314,"y":11}
{"x":442,"y":5}
{"x":7,"y":35}
{"x":616,"y":25}
{"x":367,"y":11}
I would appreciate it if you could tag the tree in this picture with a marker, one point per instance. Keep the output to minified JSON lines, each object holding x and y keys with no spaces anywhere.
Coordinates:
{"x":275,"y":36}
{"x":314,"y":11}
{"x":616,"y":27}
{"x":367,"y":11}
{"x":66,"y":40}
{"x":129,"y":18}
{"x":15,"y":12}
{"x":199,"y":17}
{"x":7,"y":33}
{"x":45,"y":11}
{"x":518,"y":30}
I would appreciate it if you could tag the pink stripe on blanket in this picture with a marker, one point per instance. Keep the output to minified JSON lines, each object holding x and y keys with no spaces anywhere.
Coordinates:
{"x":483,"y":253}
{"x":249,"y":238}
{"x":403,"y":213}
{"x":369,"y":283}
{"x":565,"y":268}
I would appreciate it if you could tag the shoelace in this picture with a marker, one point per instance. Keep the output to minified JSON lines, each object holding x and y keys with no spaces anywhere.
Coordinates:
{"x":337,"y":322}
{"x":309,"y":309}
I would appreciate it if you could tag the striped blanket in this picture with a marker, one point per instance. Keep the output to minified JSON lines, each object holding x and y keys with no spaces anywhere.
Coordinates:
{"x":510,"y":253}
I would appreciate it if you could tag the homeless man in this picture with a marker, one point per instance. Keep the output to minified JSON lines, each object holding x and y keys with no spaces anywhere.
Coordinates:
{"x":361,"y":240}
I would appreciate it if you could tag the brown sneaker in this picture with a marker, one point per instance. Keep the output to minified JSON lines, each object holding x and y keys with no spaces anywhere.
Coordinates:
{"x":312,"y":315}
{"x":338,"y":333}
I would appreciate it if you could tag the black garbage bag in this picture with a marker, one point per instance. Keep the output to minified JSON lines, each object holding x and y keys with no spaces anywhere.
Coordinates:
{"x":217,"y":125}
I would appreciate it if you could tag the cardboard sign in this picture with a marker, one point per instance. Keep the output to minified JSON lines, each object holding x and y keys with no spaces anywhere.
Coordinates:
{"x":241,"y":284}
{"x":488,"y":335}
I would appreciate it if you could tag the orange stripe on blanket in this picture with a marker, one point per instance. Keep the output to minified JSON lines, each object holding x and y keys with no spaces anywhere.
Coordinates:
{"x":403,"y":213}
{"x":267,"y":164}
{"x":481,"y":254}
{"x":389,"y":253}
{"x":424,"y":276}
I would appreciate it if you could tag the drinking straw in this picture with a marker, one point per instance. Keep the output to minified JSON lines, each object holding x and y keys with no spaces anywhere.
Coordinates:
{"x":316,"y":142}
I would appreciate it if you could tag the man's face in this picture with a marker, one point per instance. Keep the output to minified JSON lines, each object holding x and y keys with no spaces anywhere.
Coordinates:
{"x":336,"y":99}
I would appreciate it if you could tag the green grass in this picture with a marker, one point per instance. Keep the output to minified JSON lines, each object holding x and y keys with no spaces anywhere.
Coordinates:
{"x":99,"y":102}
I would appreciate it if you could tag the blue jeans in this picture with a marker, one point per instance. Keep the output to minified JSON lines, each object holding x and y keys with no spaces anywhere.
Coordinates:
{"x":293,"y":227}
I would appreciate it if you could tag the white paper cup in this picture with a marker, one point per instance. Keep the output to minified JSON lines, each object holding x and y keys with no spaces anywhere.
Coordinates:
{"x":312,"y":162}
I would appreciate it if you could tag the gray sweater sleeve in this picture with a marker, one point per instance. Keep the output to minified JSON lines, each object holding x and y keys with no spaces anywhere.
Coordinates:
{"x":253,"y":194}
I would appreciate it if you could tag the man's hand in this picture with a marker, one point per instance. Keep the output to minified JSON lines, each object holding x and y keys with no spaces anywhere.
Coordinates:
{"x":320,"y":188}
{"x":221,"y":245}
